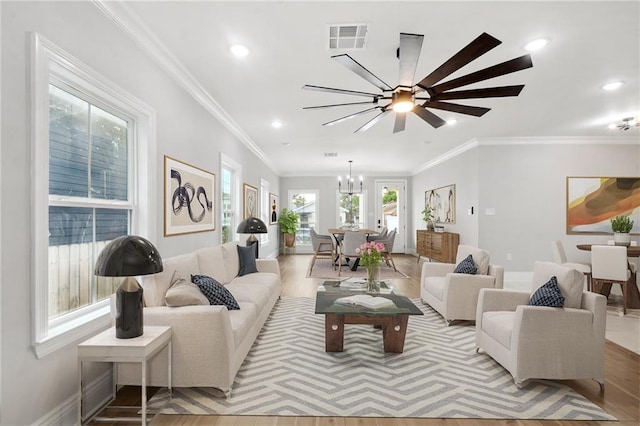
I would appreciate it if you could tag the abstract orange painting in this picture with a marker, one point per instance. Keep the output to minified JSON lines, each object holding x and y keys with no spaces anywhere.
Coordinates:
{"x":593,"y":201}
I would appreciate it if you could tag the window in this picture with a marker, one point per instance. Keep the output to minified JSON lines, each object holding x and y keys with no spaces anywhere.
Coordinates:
{"x":305,"y":204}
{"x":265,"y":209}
{"x":230,"y":172}
{"x":86,"y":139}
{"x":351,"y":209}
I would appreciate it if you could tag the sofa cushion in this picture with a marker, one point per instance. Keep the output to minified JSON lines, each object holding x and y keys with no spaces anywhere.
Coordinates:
{"x":499,"y":325}
{"x":242,"y":320}
{"x":231,"y":261}
{"x":184,"y":293}
{"x":570,"y":281}
{"x":247,"y":258}
{"x":466,"y":266}
{"x":257,"y":293}
{"x":216,"y":293}
{"x":548,"y":295}
{"x":155,"y":286}
{"x":480,"y":257}
{"x":435,"y":286}
{"x":211,"y":263}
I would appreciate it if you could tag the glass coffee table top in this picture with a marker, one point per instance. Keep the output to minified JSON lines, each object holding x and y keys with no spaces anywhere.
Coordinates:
{"x":329,"y":291}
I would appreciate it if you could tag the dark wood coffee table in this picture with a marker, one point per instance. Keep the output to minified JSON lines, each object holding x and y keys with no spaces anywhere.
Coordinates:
{"x":393,"y":321}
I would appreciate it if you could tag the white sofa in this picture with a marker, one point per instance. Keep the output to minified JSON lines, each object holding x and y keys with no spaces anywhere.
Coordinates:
{"x":209,"y":342}
{"x":454,"y":295}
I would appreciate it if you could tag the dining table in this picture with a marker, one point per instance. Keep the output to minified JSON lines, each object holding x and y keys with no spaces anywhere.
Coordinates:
{"x":633,"y":298}
{"x":337,"y":232}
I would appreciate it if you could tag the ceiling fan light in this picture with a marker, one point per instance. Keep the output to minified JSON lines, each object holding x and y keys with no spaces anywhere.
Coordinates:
{"x":239,"y":50}
{"x":402,"y":106}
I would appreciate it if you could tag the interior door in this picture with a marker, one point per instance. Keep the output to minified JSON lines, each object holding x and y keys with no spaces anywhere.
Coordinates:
{"x":391,"y":209}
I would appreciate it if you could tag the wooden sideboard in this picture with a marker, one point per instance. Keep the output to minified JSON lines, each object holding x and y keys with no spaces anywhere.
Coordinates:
{"x":440,"y":246}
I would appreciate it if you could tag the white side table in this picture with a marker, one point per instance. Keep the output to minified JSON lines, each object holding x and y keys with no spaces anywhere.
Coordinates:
{"x":106,"y":347}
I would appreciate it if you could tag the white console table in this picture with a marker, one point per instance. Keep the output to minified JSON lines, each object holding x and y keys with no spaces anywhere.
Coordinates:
{"x":106,"y":347}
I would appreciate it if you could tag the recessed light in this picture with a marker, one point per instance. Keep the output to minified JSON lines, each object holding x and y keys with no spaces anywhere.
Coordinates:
{"x":536,"y":44}
{"x":612,"y":85}
{"x":286,"y":144}
{"x":452,"y":122}
{"x":612,"y":126}
{"x":239,"y":50}
{"x":276,"y":124}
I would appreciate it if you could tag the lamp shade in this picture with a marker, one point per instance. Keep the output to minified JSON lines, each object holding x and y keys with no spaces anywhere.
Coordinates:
{"x":252,"y":225}
{"x":128,"y":256}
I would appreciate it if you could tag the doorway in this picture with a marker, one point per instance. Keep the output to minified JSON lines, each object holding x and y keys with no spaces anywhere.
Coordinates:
{"x":391,"y":210}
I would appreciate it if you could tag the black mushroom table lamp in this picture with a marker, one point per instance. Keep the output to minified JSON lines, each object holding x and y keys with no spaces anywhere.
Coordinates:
{"x":252,"y":225}
{"x":128,"y":256}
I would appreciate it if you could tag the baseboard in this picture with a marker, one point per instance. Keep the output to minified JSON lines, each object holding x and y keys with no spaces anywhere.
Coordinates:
{"x":97,"y":393}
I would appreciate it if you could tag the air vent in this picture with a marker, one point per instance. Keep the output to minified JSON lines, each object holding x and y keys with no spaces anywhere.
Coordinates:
{"x":347,"y":36}
{"x":330,"y":154}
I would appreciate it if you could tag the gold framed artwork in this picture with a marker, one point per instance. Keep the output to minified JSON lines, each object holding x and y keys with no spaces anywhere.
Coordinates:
{"x":593,"y":201}
{"x":250,"y":201}
{"x":443,"y":203}
{"x":273,"y":206}
{"x":189,"y":194}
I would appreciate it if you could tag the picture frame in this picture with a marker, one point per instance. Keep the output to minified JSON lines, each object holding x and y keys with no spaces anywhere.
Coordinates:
{"x":273,"y":209}
{"x":250,"y":201}
{"x":442,"y":201}
{"x":592,"y":201}
{"x":189,"y":198}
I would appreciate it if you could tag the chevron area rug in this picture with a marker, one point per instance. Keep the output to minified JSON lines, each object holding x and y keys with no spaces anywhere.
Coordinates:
{"x":323,"y":268}
{"x":439,"y":375}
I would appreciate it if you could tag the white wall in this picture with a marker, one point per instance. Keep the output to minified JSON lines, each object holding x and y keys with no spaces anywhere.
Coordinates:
{"x":31,"y":388}
{"x":525,"y":184}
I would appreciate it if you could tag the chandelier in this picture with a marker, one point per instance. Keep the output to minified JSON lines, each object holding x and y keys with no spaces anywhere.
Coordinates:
{"x":350,"y":187}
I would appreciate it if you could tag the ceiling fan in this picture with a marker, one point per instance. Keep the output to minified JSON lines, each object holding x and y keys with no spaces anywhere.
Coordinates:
{"x":429,"y":93}
{"x":628,"y":123}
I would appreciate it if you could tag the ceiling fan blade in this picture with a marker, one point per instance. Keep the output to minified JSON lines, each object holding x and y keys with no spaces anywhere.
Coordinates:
{"x":354,"y":66}
{"x":375,"y":101}
{"x":461,"y":109}
{"x":429,"y":117}
{"x":507,"y":67}
{"x":346,"y":117}
{"x":489,"y":92}
{"x":341,"y":91}
{"x":401,"y":119}
{"x":478,"y":47}
{"x":409,"y":53}
{"x":366,"y":126}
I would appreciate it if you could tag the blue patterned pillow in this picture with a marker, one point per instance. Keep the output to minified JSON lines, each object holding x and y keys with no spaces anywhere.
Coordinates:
{"x":548,"y":295}
{"x":466,"y":266}
{"x":215,"y":292}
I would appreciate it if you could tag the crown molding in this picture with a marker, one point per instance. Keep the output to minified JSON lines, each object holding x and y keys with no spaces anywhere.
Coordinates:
{"x":529,"y":140}
{"x":118,"y":12}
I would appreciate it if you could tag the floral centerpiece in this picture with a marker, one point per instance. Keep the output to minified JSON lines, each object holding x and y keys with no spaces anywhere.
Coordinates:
{"x":370,"y":256}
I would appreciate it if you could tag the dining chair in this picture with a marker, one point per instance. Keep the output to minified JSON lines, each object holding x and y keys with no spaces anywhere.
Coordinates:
{"x":323,"y":247}
{"x":560,"y":257}
{"x":352,"y":240}
{"x":609,"y":266}
{"x":388,"y":248}
{"x":381,"y":235}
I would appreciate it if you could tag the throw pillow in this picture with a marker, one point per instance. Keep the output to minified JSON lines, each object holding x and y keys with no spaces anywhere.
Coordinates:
{"x":183,"y":293}
{"x":466,"y":266}
{"x":247,"y":256}
{"x":548,"y":294}
{"x":215,"y":292}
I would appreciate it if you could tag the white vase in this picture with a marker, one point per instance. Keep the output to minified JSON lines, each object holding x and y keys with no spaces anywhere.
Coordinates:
{"x":622,"y":238}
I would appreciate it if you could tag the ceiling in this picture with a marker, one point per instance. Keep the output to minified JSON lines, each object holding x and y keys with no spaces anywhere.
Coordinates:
{"x":591,"y":43}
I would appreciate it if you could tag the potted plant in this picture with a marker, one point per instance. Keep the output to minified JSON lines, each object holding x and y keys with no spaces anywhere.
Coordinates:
{"x":289,"y":222}
{"x":621,"y":226}
{"x":427,"y":216}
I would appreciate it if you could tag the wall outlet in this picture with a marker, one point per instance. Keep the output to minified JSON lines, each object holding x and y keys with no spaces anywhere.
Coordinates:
{"x":508,"y":256}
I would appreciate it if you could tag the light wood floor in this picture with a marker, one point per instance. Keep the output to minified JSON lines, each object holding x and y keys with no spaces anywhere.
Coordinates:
{"x":622,"y":371}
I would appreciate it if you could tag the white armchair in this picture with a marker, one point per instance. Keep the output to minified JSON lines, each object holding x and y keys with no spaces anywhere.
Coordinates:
{"x":455,"y":295}
{"x":540,"y":342}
